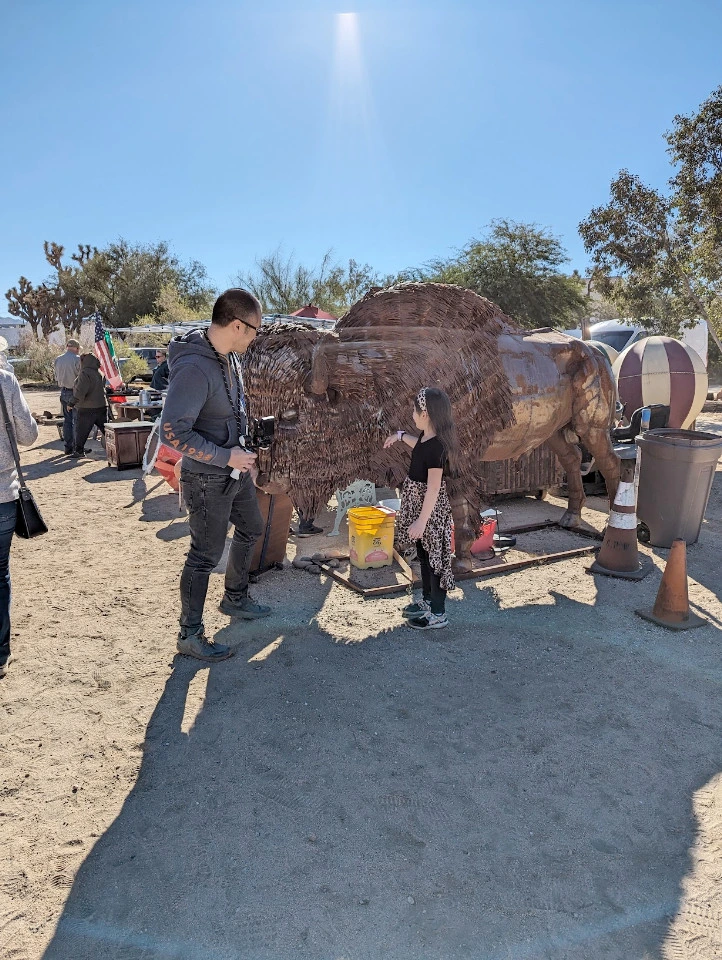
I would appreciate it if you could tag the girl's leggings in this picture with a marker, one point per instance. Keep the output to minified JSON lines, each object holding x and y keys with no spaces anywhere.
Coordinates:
{"x":430,"y":582}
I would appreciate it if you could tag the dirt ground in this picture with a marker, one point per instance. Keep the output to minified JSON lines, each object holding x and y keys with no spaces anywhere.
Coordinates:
{"x":540,"y":780}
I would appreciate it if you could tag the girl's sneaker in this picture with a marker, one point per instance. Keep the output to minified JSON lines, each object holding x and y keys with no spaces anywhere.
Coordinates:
{"x":430,"y":621}
{"x":419,"y":609}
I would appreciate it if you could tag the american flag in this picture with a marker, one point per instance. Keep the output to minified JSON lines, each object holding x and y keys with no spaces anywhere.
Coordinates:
{"x":105,"y":353}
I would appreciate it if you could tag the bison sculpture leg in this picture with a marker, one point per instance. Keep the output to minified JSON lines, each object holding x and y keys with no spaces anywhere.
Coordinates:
{"x":570,"y":457}
{"x":599,"y":444}
{"x":466,"y":529}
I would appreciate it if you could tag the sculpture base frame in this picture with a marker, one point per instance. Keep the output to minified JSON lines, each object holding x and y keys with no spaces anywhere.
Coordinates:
{"x":490,"y":569}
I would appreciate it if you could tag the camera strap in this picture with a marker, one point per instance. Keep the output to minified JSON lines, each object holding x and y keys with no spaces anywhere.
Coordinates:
{"x":238,"y":408}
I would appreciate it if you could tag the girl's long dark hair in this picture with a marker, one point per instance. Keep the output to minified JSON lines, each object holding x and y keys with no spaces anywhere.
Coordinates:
{"x":438,"y":407}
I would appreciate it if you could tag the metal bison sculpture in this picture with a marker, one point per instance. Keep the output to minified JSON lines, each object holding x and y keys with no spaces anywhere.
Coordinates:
{"x":337,"y":395}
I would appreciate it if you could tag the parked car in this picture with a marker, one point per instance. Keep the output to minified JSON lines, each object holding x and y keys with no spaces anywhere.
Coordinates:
{"x":621,"y":334}
{"x":148,"y":354}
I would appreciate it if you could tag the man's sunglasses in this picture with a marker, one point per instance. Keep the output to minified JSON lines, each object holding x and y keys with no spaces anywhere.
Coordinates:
{"x":247,"y":324}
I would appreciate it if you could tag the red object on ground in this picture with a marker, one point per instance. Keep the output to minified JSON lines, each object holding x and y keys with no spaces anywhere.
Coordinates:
{"x":484,"y":543}
{"x":313,"y":313}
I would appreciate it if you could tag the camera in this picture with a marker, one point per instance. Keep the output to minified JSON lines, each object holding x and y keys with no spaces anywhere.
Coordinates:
{"x":260,"y":433}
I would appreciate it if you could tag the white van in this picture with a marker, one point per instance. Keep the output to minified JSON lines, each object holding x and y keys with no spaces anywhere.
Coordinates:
{"x":621,"y":334}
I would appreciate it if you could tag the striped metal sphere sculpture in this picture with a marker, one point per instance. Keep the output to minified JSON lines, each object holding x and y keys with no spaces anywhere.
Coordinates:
{"x":662,"y":370}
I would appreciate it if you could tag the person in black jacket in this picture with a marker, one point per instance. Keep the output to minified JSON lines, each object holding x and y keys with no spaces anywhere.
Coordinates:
{"x":90,"y":402}
{"x":204,"y":418}
{"x":161,"y":372}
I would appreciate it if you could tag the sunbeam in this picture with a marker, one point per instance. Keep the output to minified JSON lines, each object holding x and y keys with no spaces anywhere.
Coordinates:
{"x":353,"y":146}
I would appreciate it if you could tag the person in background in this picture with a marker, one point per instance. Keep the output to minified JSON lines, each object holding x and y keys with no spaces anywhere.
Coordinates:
{"x":26,"y":432}
{"x":161,"y":372}
{"x":67,"y":368}
{"x":307,"y":526}
{"x":4,"y":362}
{"x":90,"y":402}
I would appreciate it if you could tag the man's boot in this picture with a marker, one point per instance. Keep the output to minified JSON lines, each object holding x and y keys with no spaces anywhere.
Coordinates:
{"x":198,"y":645}
{"x":307,"y":528}
{"x":243,"y":608}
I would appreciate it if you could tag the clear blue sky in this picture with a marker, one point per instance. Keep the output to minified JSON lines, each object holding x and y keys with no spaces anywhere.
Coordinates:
{"x":228,"y":128}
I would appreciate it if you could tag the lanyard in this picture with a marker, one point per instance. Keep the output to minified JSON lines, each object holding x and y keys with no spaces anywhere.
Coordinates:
{"x":238,"y":408}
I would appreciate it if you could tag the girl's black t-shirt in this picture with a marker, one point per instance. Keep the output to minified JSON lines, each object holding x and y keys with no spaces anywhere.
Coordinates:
{"x":426,"y":455}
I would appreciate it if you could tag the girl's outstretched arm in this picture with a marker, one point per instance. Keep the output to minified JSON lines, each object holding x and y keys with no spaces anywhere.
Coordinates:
{"x":408,"y":438}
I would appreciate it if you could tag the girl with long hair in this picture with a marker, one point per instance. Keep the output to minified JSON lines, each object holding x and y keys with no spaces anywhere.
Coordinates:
{"x":424,"y":517}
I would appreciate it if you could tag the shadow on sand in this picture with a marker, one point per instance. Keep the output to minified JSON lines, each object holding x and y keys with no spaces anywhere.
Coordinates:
{"x":516,"y":788}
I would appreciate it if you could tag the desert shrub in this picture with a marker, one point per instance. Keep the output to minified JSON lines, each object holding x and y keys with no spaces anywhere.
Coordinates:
{"x":40,"y":357}
{"x":144,"y":340}
{"x":133,"y":367}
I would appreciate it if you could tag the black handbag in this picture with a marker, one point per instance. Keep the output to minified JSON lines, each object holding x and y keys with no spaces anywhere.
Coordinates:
{"x":29,"y":522}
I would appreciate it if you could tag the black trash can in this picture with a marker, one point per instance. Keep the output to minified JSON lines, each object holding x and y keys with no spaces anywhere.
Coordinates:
{"x":676,"y":471}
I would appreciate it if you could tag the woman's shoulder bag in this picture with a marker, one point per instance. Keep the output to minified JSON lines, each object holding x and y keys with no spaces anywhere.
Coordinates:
{"x":29,"y":523}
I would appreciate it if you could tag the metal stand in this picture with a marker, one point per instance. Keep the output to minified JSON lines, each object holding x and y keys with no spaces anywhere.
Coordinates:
{"x":490,"y":569}
{"x":360,"y":493}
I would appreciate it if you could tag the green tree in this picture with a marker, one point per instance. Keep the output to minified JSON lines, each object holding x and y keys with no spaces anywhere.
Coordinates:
{"x":665,"y":247}
{"x":133,"y":366}
{"x":282,"y":285}
{"x":172,"y":307}
{"x":122,"y":282}
{"x":518,"y":266}
{"x":127,"y":281}
{"x":72,"y":303}
{"x":35,"y":304}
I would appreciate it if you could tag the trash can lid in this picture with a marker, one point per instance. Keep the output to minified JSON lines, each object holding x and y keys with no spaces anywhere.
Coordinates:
{"x":681,"y":438}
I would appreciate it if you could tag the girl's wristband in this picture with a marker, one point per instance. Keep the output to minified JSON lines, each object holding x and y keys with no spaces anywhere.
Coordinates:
{"x":400,"y":434}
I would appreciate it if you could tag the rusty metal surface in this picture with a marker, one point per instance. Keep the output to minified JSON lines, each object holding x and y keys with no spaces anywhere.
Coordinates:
{"x":498,"y":568}
{"x":337,"y":395}
{"x":537,"y":470}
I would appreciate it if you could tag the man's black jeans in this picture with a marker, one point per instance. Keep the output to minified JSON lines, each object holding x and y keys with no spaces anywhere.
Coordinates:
{"x":66,"y":401}
{"x":86,"y":419}
{"x":431,"y":588}
{"x":214,"y":500}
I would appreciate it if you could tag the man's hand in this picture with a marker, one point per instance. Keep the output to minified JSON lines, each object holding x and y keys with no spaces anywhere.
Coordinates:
{"x":241,"y":459}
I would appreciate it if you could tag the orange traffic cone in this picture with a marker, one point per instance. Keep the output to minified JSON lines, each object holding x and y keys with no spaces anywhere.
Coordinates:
{"x":618,"y":556}
{"x":671,"y":608}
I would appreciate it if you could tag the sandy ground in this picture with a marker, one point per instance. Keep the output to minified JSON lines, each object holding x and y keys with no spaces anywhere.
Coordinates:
{"x":541,"y":780}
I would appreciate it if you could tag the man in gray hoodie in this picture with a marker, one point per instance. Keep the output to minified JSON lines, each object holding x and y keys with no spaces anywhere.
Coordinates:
{"x":204,"y":417}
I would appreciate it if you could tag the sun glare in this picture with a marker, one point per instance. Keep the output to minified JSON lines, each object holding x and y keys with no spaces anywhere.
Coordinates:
{"x":351,"y":95}
{"x":352,"y":152}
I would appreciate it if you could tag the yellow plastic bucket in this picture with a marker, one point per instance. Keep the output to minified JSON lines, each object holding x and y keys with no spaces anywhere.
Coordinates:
{"x":370,"y":537}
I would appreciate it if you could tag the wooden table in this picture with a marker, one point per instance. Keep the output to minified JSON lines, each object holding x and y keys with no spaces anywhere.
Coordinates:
{"x":123,"y":408}
{"x":125,"y":442}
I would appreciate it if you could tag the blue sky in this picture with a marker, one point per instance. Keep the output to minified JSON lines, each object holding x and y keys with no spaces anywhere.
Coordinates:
{"x":392,"y":137}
